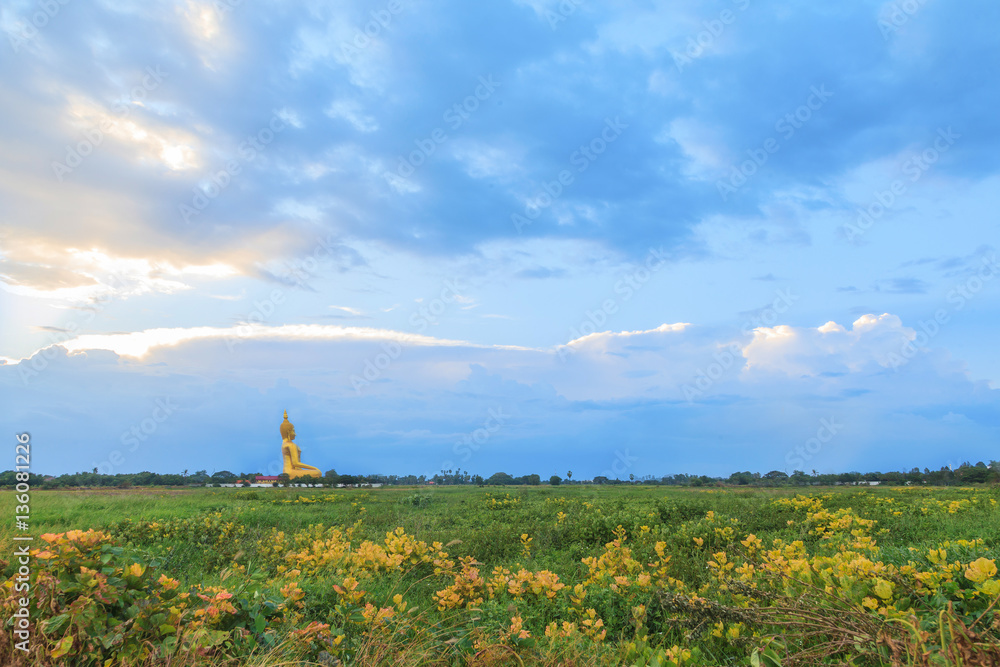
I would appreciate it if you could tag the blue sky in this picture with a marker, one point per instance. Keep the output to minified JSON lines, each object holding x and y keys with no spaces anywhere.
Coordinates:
{"x":527,"y":236}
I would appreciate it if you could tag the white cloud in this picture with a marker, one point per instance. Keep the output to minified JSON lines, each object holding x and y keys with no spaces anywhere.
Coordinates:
{"x":102,"y":275}
{"x":353,"y":113}
{"x":622,"y":386}
{"x":829,"y":348}
{"x":708,"y":155}
{"x":482,"y":160}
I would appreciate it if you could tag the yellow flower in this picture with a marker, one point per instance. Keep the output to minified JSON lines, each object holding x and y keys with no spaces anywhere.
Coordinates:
{"x":883,"y":589}
{"x":980,"y":570}
{"x":990,"y":588}
{"x":517,"y":628}
{"x":699,"y":541}
{"x":871,"y":603}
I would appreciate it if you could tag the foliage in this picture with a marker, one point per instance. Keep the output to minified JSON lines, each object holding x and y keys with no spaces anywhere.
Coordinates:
{"x":547,"y":575}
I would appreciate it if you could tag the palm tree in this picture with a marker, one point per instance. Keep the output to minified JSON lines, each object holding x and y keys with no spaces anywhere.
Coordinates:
{"x":569,"y":474}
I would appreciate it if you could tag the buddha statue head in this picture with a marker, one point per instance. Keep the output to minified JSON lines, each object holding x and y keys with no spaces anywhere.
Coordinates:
{"x":287,"y":430}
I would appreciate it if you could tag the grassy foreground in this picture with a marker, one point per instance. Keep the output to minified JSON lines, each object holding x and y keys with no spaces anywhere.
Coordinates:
{"x":567,"y":575}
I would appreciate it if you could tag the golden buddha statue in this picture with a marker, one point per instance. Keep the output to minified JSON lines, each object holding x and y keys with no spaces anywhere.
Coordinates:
{"x":290,"y":452}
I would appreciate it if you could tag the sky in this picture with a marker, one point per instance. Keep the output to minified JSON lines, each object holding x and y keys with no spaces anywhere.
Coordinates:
{"x":528,"y":236}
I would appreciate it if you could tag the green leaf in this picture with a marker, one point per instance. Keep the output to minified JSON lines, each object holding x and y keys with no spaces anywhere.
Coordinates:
{"x":63,"y":647}
{"x":55,"y":624}
{"x":259,"y":623}
{"x":167,"y":629}
{"x":770,"y":658}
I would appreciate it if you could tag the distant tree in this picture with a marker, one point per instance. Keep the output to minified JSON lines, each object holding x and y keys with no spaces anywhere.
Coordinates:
{"x":555,"y":480}
{"x":331,"y":478}
{"x":631,"y":477}
{"x":223,"y":477}
{"x":799,"y":478}
{"x":500,"y":479}
{"x":741,"y":478}
{"x":284,"y":479}
{"x":894,"y":478}
{"x":776,"y":476}
{"x":601,"y":479}
{"x":974,"y":475}
{"x":569,"y":475}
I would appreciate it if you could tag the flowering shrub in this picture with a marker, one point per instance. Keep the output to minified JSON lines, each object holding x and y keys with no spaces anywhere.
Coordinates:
{"x":91,"y":602}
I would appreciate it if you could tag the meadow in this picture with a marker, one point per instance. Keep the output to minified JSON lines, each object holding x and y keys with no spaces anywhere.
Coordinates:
{"x":542,"y":575}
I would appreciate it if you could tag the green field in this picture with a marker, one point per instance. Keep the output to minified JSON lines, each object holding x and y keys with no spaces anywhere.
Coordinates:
{"x":565,"y":575}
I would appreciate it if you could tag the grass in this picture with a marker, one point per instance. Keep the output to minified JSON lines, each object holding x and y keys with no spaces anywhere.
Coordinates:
{"x":214,"y":537}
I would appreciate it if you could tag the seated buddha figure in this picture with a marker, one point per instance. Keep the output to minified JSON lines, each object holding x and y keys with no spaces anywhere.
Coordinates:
{"x":294,"y":467}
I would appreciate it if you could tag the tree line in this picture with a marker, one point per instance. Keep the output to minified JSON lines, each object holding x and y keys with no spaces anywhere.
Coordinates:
{"x":967,"y":473}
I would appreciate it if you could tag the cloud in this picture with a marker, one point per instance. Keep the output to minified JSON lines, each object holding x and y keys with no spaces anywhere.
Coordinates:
{"x":902,"y":286}
{"x":352,"y":112}
{"x":627,"y":383}
{"x":829,"y":348}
